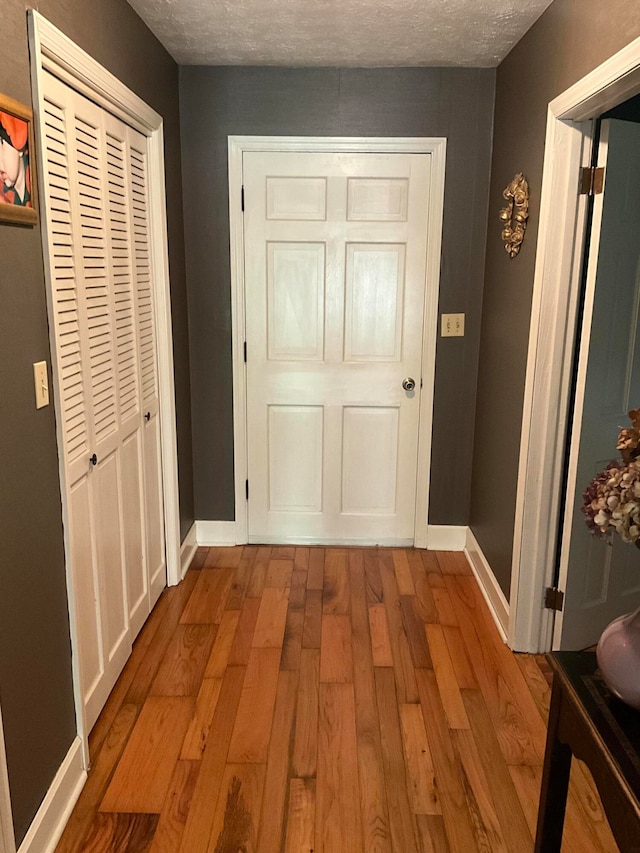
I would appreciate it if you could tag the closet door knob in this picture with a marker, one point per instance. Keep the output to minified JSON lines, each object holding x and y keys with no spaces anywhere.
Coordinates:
{"x":93,"y":459}
{"x":147,"y":417}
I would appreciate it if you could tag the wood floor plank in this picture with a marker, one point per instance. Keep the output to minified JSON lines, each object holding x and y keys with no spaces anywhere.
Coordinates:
{"x":208,"y":599}
{"x":312,"y":631}
{"x":380,"y":643}
{"x":173,"y":817}
{"x":279,"y":573}
{"x":414,"y":629}
{"x":401,"y":823}
{"x":292,"y":643}
{"x":430,"y":561}
{"x":252,"y":729}
{"x":301,"y":560}
{"x":423,"y":789}
{"x":338,"y":825}
{"x":120,"y":833}
{"x":259,"y":573}
{"x":453,"y":563}
{"x":182,"y":670}
{"x":139,"y":685}
{"x":465,"y":676}
{"x":241,"y":578}
{"x":446,"y":678}
{"x":199,"y":559}
{"x":374,"y":590}
{"x":404,"y":578}
{"x":425,"y":604}
{"x":283,"y":552}
{"x":315,"y":576}
{"x":272,"y":618}
{"x":335,"y":595}
{"x":432,"y":834}
{"x":241,"y":646}
{"x":219,"y":657}
{"x":507,"y":804}
{"x":104,"y":763}
{"x":376,"y":835}
{"x":196,"y":738}
{"x":278,"y":761}
{"x":197,"y":831}
{"x":305,"y":752}
{"x":300,"y":834}
{"x":235,"y":824}
{"x":336,"y":657}
{"x":151,"y":752}
{"x":298,"y":591}
{"x":403,"y":663}
{"x":521,"y":732}
{"x":536,"y":682}
{"x":444,"y":606}
{"x":229,"y":557}
{"x":449,"y":775}
{"x":488,"y":833}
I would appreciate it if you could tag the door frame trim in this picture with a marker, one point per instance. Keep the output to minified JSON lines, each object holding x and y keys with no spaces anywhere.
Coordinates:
{"x":551,"y":339}
{"x":436,"y":147}
{"x":52,"y":51}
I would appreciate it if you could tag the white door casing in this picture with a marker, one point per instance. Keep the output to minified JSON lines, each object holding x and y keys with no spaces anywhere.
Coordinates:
{"x":335,"y":254}
{"x":310,"y":255}
{"x":552,"y":333}
{"x":602,"y":581}
{"x":52,"y":51}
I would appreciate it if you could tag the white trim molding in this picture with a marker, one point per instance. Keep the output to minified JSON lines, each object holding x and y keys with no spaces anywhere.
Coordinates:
{"x":7,"y":837}
{"x":436,"y":147}
{"x":188,"y":549}
{"x":53,"y":814}
{"x":551,"y":339}
{"x":221,"y":533}
{"x":489,"y":586}
{"x":446,"y":537}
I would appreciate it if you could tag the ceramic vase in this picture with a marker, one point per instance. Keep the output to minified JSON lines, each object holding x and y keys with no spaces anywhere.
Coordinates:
{"x":618,"y":654}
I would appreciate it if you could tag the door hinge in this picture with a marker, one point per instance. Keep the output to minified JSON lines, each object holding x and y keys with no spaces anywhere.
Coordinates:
{"x":553,"y":598}
{"x":245,"y":352}
{"x":591,"y":180}
{"x":242,"y":198}
{"x":246,"y":488}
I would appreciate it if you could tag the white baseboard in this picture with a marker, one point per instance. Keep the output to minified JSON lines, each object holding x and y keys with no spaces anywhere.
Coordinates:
{"x":338,"y":543}
{"x":213,"y":533}
{"x":489,"y":586}
{"x":446,"y":537}
{"x":52,"y":816}
{"x":188,"y":549}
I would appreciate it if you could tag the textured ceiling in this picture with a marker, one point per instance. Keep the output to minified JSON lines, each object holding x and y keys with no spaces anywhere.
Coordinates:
{"x":361,"y":33}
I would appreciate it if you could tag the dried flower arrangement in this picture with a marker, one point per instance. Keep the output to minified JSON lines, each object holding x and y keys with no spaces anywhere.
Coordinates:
{"x":611,"y":501}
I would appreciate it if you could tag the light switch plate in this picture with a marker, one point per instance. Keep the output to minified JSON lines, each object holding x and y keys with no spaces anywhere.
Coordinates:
{"x":41,"y":381}
{"x":453,"y":325}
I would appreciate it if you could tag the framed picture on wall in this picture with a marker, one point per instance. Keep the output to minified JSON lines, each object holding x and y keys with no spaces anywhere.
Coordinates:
{"x":18,"y":198}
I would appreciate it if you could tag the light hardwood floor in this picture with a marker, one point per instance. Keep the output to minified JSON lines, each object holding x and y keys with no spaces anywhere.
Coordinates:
{"x":290,"y":700}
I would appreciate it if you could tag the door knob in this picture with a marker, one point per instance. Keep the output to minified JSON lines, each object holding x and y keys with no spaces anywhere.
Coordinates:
{"x":408,"y":384}
{"x":93,"y":459}
{"x":147,"y":417}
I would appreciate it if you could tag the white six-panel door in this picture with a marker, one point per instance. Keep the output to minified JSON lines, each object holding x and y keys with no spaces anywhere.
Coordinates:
{"x":96,"y":196}
{"x":335,"y":269}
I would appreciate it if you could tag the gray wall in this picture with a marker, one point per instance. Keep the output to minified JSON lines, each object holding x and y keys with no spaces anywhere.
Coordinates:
{"x":35,"y":657}
{"x":217,"y":102}
{"x":568,"y":41}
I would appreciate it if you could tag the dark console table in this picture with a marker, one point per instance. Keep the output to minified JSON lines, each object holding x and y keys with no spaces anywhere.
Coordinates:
{"x":585,"y":720}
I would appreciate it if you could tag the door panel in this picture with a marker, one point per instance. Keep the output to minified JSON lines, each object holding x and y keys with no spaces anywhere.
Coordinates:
{"x":335,"y":255}
{"x":602,"y":581}
{"x":99,"y":246}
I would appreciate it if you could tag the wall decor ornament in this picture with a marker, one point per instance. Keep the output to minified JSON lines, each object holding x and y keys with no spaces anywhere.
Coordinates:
{"x":515,"y":214}
{"x":17,"y":151}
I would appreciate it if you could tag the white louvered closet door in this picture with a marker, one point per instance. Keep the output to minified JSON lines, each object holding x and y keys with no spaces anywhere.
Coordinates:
{"x":102,"y":362}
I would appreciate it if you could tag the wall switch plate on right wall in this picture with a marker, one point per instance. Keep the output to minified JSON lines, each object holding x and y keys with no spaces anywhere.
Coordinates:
{"x":452,"y":325}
